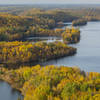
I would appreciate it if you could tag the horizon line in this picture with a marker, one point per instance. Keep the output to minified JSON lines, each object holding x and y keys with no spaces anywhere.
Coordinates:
{"x":50,"y":3}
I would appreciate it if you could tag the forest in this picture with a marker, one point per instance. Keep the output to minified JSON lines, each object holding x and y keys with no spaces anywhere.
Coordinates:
{"x":23,"y":22}
{"x":13,"y":54}
{"x":71,"y":35}
{"x":20,"y":27}
{"x":20,"y":60}
{"x":53,"y":83}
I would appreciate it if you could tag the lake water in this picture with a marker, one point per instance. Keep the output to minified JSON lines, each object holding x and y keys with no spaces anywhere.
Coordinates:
{"x":88,"y":50}
{"x":44,"y":39}
{"x":7,"y":93}
{"x":87,"y":57}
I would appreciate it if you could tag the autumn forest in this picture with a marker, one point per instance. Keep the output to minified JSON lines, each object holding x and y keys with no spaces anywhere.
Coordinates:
{"x":21,"y":60}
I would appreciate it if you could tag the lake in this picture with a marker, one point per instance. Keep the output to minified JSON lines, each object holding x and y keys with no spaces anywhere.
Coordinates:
{"x":88,"y":50}
{"x":7,"y":93}
{"x":87,"y":57}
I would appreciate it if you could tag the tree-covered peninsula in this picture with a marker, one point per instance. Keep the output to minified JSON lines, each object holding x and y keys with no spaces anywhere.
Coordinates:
{"x":15,"y":27}
{"x":53,"y":83}
{"x":16,"y":53}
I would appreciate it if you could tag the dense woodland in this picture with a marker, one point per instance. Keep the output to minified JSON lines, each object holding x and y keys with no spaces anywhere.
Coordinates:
{"x":18,"y":27}
{"x":71,"y":35}
{"x":23,"y":22}
{"x":50,"y":82}
{"x":16,"y":53}
{"x":53,"y":83}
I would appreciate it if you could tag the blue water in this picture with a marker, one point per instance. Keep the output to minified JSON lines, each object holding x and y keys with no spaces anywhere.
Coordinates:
{"x":88,"y":50}
{"x":7,"y":93}
{"x":87,"y":57}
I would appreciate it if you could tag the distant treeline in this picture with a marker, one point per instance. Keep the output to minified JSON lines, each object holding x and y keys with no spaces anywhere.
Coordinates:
{"x":79,"y":22}
{"x":40,"y":23}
